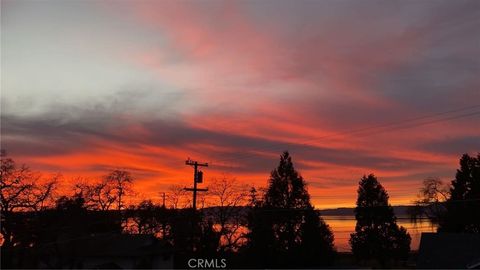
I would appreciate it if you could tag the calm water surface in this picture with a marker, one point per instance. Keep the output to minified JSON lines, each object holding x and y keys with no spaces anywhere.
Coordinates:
{"x":343,"y":226}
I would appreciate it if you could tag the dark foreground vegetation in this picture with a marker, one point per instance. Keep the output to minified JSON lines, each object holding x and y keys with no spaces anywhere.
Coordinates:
{"x":248,"y":228}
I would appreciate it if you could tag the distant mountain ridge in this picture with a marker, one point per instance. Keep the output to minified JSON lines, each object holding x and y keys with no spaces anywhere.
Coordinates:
{"x":399,"y":210}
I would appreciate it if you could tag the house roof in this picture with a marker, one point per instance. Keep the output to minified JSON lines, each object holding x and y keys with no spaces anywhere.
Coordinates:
{"x":448,"y":250}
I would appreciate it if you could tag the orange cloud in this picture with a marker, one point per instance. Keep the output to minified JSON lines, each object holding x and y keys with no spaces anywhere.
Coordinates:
{"x":250,"y":89}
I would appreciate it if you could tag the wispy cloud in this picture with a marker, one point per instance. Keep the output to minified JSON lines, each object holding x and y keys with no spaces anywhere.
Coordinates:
{"x":144,"y":84}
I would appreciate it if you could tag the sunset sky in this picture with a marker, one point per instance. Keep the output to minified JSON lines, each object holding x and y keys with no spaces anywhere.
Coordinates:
{"x":348,"y":87}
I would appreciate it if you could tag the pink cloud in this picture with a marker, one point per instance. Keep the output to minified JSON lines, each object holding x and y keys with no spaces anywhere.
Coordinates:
{"x":253,"y":90}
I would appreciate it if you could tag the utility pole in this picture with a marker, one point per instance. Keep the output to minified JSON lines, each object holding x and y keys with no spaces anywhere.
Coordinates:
{"x":163,"y":195}
{"x":197,"y":178}
{"x":164,"y":223}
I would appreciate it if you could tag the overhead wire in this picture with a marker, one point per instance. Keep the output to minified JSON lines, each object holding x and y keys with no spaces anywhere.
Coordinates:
{"x":397,"y":125}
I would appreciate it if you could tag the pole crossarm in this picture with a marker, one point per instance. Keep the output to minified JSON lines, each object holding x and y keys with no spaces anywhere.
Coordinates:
{"x":195,"y":163}
{"x":197,"y":178}
{"x":198,"y":189}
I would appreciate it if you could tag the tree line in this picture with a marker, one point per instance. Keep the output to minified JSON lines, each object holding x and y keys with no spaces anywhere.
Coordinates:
{"x":275,"y":227}
{"x":454,"y":207}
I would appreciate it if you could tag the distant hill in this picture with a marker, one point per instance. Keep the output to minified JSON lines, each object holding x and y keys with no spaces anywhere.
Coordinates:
{"x":399,"y":210}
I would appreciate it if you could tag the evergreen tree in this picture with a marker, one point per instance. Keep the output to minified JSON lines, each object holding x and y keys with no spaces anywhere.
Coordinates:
{"x":286,"y":188}
{"x":193,"y":236}
{"x":259,"y":250}
{"x":377,"y":236}
{"x":285,"y":230}
{"x":463,"y":206}
{"x":317,"y":240}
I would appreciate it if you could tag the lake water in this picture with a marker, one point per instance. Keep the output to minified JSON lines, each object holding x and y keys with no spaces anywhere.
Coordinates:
{"x":343,"y":226}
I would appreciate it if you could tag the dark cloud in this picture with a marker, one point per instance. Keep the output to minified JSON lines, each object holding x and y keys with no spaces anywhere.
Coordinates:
{"x":321,"y":66}
{"x":444,"y":69}
{"x":57,"y":133}
{"x":454,"y":146}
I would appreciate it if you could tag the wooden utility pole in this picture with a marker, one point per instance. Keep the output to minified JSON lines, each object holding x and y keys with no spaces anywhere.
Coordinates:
{"x":197,"y":178}
{"x":163,"y":196}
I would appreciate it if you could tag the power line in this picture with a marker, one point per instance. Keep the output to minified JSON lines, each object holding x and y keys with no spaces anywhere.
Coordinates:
{"x":394,"y":126}
{"x":375,"y":127}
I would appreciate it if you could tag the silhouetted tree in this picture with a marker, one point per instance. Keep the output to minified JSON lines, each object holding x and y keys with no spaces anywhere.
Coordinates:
{"x":253,"y":196}
{"x":122,"y":183}
{"x":259,"y":250}
{"x":177,"y":197}
{"x":317,"y":241}
{"x":285,"y":230}
{"x":286,"y":189}
{"x":208,"y":243}
{"x":72,"y":205}
{"x":377,"y":236}
{"x":193,"y":236}
{"x":147,"y":218}
{"x":463,"y":206}
{"x":227,"y":197}
{"x":21,"y":190}
{"x":431,"y":201}
{"x":70,"y":220}
{"x":98,"y":195}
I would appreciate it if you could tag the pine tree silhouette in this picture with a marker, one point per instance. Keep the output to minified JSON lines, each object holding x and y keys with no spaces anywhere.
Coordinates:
{"x":463,"y":206}
{"x":285,"y":230}
{"x":377,"y":236}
